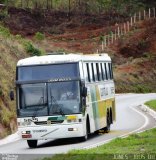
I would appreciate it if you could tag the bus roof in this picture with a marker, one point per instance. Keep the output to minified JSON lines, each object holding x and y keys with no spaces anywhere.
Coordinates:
{"x":52,"y":59}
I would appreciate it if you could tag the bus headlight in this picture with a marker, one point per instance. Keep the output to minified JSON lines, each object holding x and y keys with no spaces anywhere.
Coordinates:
{"x":72,"y":129}
{"x":26,"y":132}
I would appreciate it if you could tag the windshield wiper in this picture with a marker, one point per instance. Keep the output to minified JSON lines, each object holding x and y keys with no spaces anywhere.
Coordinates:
{"x":59,"y":112}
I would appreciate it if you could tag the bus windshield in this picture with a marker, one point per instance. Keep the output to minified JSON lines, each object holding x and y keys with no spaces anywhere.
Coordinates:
{"x":43,"y":99}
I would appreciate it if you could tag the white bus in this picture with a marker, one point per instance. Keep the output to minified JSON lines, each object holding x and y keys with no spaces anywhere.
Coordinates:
{"x":63,"y":96}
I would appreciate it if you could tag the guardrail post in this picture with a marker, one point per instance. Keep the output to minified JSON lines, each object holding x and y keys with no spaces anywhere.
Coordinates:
{"x":102,"y":46}
{"x":121,"y":31}
{"x":112,"y":35}
{"x":128,"y":28}
{"x":105,"y":41}
{"x":131,"y":21}
{"x":139,"y":16}
{"x":144,"y":14}
{"x":115,"y":34}
{"x":108,"y":40}
{"x":135,"y":18}
{"x":149,"y":13}
{"x":118,"y":32}
{"x":125,"y":28}
{"x":153,"y":12}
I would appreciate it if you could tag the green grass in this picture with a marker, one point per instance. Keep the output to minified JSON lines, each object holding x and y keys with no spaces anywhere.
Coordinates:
{"x":151,"y":104}
{"x":143,"y":143}
{"x":39,"y":36}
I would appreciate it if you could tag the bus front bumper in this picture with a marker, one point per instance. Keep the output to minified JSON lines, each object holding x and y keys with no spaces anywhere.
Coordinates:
{"x":52,"y":132}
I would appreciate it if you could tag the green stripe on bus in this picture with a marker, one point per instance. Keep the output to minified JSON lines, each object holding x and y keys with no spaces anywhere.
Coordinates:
{"x":57,"y":118}
{"x":95,"y":106}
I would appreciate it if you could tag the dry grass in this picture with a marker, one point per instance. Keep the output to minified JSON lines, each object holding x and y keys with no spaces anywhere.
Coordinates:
{"x":11,"y":50}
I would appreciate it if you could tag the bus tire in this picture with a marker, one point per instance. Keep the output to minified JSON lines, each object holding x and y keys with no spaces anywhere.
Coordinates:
{"x":111,"y":117}
{"x":32,"y":143}
{"x":84,"y":138}
{"x":107,"y":128}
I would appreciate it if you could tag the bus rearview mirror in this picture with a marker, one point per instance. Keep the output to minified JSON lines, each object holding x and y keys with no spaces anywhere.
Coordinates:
{"x":84,"y":92}
{"x":12,"y":96}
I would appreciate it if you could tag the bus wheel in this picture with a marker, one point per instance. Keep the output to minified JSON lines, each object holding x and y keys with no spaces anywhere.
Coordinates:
{"x":107,"y":128}
{"x":84,"y":138}
{"x":32,"y":143}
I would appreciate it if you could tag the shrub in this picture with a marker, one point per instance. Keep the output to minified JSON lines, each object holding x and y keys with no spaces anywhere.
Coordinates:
{"x":4,"y":31}
{"x":32,"y":50}
{"x":142,"y":44}
{"x":101,"y":38}
{"x":3,"y":14}
{"x":39,"y":36}
{"x":18,"y":37}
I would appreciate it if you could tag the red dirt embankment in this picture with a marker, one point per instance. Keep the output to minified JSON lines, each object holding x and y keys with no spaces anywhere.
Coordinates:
{"x":133,"y":54}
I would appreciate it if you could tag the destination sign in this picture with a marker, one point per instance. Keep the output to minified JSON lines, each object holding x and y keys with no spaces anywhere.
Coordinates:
{"x":59,"y":79}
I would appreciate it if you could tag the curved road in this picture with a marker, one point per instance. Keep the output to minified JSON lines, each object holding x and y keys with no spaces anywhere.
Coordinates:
{"x":129,"y":119}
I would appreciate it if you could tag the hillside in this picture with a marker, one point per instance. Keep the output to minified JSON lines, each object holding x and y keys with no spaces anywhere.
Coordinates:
{"x":10,"y":52}
{"x":135,"y":69}
{"x":133,"y":55}
{"x":12,"y":48}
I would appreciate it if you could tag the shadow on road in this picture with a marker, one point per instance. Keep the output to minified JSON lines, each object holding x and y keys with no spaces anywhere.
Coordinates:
{"x":66,"y":141}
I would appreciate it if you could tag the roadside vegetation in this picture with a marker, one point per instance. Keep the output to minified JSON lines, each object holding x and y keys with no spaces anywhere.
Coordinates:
{"x":151,"y":104}
{"x":135,"y":146}
{"x":85,"y":7}
{"x":12,"y":48}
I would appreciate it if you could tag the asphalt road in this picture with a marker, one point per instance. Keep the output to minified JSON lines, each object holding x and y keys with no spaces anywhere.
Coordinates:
{"x":130,"y":119}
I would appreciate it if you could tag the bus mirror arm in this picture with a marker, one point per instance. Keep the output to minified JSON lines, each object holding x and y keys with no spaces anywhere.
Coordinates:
{"x":84,"y":92}
{"x":84,"y":102}
{"x":12,"y":97}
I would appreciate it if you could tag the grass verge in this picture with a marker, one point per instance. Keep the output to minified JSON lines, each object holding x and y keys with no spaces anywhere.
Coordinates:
{"x":151,"y":104}
{"x":133,"y":147}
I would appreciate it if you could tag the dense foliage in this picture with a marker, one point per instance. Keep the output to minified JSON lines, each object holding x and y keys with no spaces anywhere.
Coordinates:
{"x":86,"y":7}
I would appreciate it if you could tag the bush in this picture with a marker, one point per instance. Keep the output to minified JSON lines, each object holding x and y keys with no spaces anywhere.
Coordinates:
{"x":101,"y":38}
{"x":3,"y":14}
{"x":142,"y":89}
{"x":32,"y":50}
{"x":5,"y":117}
{"x":39,"y":36}
{"x":18,"y":37}
{"x":142,"y":44}
{"x":4,"y":31}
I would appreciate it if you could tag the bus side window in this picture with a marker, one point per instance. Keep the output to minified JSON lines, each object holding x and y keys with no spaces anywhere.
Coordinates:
{"x":105,"y":68}
{"x":85,"y":72}
{"x":110,"y":70}
{"x":102,"y":73}
{"x":93,"y":73}
{"x":98,"y":71}
{"x":88,"y":72}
